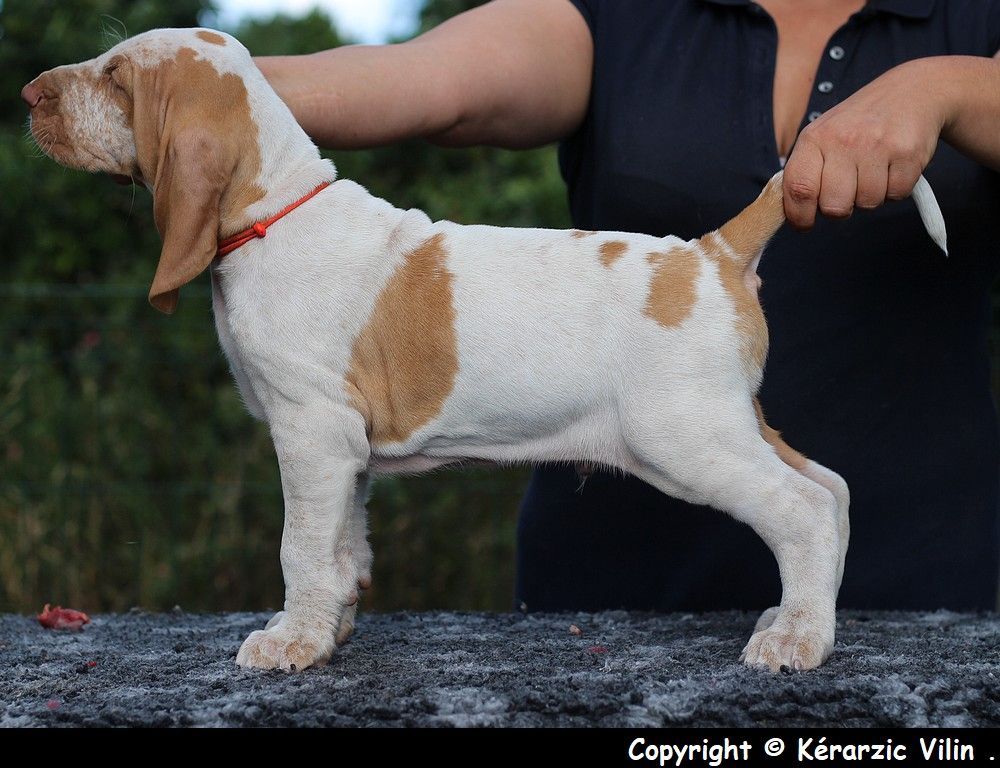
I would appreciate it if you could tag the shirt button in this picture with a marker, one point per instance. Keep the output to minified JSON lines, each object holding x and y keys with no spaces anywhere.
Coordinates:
{"x":813,"y":116}
{"x":825,"y":87}
{"x":836,"y":53}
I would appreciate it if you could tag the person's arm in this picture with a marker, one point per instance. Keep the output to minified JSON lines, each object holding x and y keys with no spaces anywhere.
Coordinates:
{"x":875,"y":144}
{"x":512,"y":73}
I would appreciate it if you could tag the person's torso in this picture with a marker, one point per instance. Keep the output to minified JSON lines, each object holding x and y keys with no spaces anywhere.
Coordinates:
{"x":878,"y":364}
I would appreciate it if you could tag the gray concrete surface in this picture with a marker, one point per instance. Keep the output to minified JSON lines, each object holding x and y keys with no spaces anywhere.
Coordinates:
{"x":447,"y":669}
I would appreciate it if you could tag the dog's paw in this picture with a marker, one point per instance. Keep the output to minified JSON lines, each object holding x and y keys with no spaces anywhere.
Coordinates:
{"x":796,"y":646}
{"x":287,"y":648}
{"x":764,"y":622}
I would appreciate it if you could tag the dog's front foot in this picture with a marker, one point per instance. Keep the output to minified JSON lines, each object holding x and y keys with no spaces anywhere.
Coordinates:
{"x":286,"y":646}
{"x":788,"y":640}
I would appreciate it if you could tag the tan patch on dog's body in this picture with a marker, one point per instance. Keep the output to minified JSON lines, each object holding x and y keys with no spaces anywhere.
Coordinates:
{"x":672,"y":289}
{"x":579,"y":234}
{"x":733,"y":274}
{"x":611,"y":251}
{"x":785,"y":452}
{"x":211,"y":37}
{"x":404,"y":361}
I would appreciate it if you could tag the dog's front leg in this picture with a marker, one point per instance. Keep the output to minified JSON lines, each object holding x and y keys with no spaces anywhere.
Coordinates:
{"x":321,"y":453}
{"x":356,"y":547}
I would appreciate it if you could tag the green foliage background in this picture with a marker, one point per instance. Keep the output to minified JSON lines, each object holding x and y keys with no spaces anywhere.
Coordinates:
{"x":129,"y":472}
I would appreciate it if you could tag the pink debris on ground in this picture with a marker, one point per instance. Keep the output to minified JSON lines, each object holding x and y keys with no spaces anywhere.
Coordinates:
{"x":62,"y":618}
{"x":597,"y":649}
{"x":52,"y":704}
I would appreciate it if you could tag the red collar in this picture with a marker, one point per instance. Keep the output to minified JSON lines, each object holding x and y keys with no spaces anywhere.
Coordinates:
{"x":259,"y":229}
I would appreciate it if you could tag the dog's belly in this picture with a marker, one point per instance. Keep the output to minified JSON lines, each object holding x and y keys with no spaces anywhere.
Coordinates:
{"x":408,"y":465}
{"x":593,"y":437}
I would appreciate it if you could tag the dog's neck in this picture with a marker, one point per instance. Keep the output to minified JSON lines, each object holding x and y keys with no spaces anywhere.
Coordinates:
{"x":290,"y":163}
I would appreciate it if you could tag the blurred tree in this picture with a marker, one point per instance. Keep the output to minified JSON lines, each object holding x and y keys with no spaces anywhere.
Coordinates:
{"x":124,"y":445}
{"x":283,"y":34}
{"x":479,"y":184}
{"x":129,"y":472}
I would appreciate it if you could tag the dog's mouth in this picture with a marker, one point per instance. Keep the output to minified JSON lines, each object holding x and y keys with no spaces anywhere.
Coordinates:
{"x":127,"y":179}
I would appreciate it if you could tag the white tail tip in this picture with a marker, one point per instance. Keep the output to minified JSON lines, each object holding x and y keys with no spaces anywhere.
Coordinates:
{"x":930,"y":213}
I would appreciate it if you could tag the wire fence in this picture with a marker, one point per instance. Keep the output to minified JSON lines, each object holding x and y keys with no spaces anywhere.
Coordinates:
{"x":133,"y":476}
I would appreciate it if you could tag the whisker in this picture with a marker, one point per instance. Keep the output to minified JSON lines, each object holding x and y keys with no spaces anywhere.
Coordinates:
{"x":35,"y":142}
{"x":112,"y":35}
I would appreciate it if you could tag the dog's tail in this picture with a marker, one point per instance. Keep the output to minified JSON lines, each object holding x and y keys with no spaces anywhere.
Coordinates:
{"x":750,"y":230}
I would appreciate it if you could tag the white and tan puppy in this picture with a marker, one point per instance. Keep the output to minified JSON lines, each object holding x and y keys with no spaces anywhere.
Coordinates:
{"x":374,"y":340}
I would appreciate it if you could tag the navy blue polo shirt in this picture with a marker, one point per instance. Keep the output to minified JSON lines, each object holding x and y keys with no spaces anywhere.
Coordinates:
{"x":879,"y":362}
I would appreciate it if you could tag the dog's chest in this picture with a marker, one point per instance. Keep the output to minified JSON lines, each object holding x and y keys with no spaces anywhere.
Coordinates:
{"x":231,"y":350}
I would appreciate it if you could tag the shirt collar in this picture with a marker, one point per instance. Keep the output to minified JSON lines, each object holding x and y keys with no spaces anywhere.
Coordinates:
{"x":912,"y":9}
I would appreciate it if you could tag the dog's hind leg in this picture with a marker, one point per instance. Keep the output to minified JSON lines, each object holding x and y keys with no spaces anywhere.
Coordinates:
{"x":820,"y":474}
{"x":733,"y":468}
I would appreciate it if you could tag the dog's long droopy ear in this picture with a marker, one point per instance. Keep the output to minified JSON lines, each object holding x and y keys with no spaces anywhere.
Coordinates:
{"x":187,"y":193}
{"x":185,"y":153}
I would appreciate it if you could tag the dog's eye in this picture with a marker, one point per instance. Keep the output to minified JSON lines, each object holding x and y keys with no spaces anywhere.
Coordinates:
{"x":113,"y":74}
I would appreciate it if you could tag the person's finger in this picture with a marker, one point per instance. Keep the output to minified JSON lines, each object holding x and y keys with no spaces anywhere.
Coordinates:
{"x":801,"y":184}
{"x":839,"y":186}
{"x":903,"y":174}
{"x":873,"y":179}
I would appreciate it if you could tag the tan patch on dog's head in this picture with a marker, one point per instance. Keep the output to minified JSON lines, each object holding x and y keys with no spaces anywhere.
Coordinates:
{"x":739,"y":282}
{"x":404,"y":361}
{"x":673,"y":286}
{"x":211,"y":37}
{"x":611,"y":251}
{"x":785,"y":452}
{"x":579,"y":234}
{"x":197,"y":142}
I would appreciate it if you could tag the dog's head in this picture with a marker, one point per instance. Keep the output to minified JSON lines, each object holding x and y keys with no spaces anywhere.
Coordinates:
{"x":179,"y":110}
